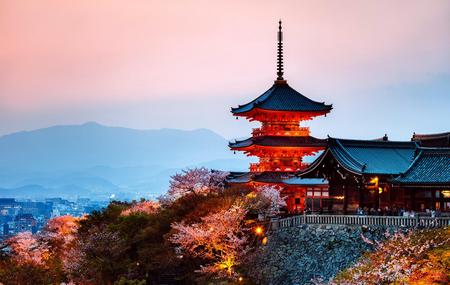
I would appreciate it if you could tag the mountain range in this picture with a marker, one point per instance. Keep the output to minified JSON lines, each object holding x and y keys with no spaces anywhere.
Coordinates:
{"x":97,"y":161}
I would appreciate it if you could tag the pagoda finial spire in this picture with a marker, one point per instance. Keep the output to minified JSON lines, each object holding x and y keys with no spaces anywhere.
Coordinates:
{"x":280,"y":54}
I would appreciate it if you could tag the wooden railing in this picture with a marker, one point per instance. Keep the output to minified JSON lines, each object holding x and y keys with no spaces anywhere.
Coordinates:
{"x":388,"y":221}
{"x":278,"y":131}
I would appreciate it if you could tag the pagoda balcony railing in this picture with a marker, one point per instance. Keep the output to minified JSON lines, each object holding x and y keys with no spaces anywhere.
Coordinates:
{"x":268,"y":131}
{"x":259,"y":167}
{"x":386,"y":221}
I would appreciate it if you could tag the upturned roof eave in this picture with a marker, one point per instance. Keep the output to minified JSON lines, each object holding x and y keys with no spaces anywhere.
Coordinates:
{"x":413,"y":163}
{"x":275,"y":146}
{"x":349,"y":163}
{"x":252,"y":141}
{"x":245,"y":113}
{"x":272,"y":91}
{"x":422,"y":154}
{"x":319,"y":160}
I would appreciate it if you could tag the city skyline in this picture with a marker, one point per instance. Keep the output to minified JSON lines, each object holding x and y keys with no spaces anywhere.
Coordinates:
{"x":155,"y":65}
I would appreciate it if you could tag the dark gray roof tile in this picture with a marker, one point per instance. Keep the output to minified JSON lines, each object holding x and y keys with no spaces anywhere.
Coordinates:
{"x":431,"y":166}
{"x":282,"y":97}
{"x":299,"y":141}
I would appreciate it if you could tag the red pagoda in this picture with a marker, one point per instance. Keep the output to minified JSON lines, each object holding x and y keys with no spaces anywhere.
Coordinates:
{"x":281,"y":142}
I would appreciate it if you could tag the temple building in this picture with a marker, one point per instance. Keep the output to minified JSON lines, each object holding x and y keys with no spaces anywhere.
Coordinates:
{"x":382,"y":173}
{"x":281,"y":142}
{"x":348,"y":174}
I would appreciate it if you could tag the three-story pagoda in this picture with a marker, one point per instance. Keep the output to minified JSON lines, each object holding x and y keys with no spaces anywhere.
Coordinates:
{"x":281,"y":142}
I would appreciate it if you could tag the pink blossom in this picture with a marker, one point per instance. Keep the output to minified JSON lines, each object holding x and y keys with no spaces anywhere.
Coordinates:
{"x":266,"y":200}
{"x":146,"y":207}
{"x":219,"y":238}
{"x":196,"y":181}
{"x":26,"y":248}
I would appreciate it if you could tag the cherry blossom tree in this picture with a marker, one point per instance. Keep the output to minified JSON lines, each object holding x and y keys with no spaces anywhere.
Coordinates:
{"x":27,"y":248}
{"x":399,"y":260}
{"x":52,"y":243}
{"x":219,"y":238}
{"x":146,"y":207}
{"x":62,"y":227}
{"x":195,"y":181}
{"x":266,"y":200}
{"x":60,"y":234}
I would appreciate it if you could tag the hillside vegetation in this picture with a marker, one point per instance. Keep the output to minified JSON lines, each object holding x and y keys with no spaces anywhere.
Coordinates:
{"x":421,"y":257}
{"x":198,"y":232}
{"x":203,"y":233}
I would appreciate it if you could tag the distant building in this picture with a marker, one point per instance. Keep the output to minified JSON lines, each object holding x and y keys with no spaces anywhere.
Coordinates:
{"x":7,"y":202}
{"x":18,"y":216}
{"x":24,"y":223}
{"x":432,"y":140}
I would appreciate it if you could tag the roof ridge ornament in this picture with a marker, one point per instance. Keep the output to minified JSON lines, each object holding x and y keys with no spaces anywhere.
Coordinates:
{"x":280,"y":71}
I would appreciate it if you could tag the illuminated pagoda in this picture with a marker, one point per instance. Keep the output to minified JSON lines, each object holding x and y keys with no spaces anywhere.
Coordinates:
{"x":280,"y":142}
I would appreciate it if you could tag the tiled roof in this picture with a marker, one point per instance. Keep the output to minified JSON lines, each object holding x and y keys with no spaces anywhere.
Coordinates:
{"x":431,"y":166}
{"x":369,"y":156}
{"x":432,"y":140}
{"x":282,"y":97}
{"x":304,"y":141}
{"x":265,"y":177}
{"x":239,"y":177}
{"x":305,"y":181}
{"x":273,"y":177}
{"x":373,"y":157}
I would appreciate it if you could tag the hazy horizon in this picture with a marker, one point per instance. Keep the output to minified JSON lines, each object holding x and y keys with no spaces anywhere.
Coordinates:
{"x":384,"y":65}
{"x":174,"y":129}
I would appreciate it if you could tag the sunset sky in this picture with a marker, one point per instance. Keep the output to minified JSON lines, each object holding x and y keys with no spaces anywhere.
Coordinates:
{"x":384,"y":65}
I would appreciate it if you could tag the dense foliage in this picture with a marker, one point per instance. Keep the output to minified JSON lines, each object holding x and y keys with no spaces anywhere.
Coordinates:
{"x":41,"y":258}
{"x":198,"y":232}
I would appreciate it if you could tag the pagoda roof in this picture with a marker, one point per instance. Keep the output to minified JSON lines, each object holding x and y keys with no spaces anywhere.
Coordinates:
{"x":273,"y":177}
{"x":286,"y":141}
{"x":431,"y":166}
{"x":282,"y":97}
{"x":238,"y":177}
{"x":263,"y":177}
{"x":380,"y":157}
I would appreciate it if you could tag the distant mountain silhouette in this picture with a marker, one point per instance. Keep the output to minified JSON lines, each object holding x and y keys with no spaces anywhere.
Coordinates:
{"x":91,"y":144}
{"x":99,"y":160}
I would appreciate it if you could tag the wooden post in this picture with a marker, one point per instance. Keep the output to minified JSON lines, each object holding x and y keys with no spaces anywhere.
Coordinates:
{"x":345,"y":193}
{"x":433,"y":199}
{"x":389,"y":189}
{"x":360,"y":195}
{"x":403,"y":197}
{"x":274,"y":224}
{"x":377,"y":199}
